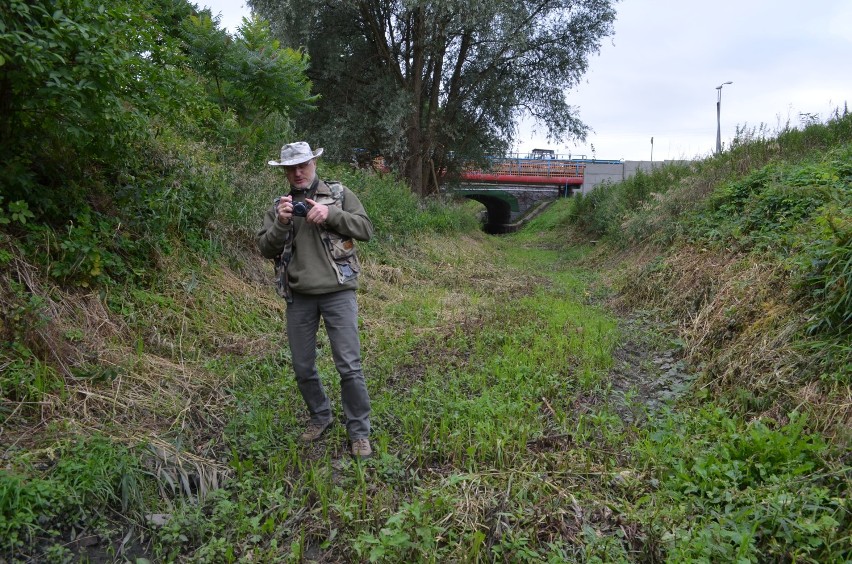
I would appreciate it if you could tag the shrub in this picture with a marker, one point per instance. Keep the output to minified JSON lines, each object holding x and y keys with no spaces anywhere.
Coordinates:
{"x":605,"y":211}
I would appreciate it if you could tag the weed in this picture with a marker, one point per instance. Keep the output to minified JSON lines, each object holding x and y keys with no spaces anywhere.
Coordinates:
{"x":411,"y":534}
{"x":27,"y":381}
{"x":18,"y":211}
{"x":735,"y":490}
{"x":86,"y":480}
{"x":827,"y":280}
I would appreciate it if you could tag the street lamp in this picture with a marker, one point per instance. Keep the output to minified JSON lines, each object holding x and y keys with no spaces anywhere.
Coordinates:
{"x":719,"y":117}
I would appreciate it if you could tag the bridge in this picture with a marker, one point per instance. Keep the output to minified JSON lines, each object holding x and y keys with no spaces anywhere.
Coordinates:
{"x":507,"y":206}
{"x":512,"y":187}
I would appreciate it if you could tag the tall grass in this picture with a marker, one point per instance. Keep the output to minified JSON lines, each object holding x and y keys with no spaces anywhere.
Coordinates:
{"x":646,"y":208}
{"x":602,"y":213}
{"x":749,"y":253}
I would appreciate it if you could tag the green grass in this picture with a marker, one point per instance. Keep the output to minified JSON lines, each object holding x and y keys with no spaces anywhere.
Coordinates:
{"x":731,"y":490}
{"x":495,"y":439}
{"x":76,"y":484}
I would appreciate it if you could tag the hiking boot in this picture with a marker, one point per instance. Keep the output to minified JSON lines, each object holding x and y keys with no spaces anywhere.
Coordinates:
{"x":315,"y":430}
{"x":361,"y":448}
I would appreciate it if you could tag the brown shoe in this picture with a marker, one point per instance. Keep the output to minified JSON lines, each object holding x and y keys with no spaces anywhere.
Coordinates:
{"x":314,"y":431}
{"x":361,"y":448}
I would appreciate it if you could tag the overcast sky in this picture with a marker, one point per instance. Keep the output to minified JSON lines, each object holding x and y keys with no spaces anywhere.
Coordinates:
{"x":657,"y":75}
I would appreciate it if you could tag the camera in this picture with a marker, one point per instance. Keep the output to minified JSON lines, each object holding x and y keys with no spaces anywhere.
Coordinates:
{"x":301,"y":209}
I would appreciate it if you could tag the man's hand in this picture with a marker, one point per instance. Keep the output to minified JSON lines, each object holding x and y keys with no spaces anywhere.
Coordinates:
{"x":285,"y":209}
{"x":318,"y":213}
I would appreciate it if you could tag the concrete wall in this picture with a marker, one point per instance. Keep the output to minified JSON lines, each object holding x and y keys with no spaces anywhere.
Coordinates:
{"x":529,"y":196}
{"x":597,"y":173}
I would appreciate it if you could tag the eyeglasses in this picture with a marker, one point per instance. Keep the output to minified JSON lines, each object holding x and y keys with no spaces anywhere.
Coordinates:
{"x":300,"y":166}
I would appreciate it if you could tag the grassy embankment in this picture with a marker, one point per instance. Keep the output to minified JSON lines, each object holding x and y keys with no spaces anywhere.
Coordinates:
{"x":167,"y":407}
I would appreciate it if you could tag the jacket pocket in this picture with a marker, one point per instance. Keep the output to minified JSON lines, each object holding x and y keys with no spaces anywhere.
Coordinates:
{"x":340,"y":247}
{"x":347,"y":270}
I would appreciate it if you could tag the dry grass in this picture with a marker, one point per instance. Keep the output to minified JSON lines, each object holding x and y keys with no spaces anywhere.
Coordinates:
{"x":740,"y":322}
{"x":658,"y":214}
{"x":461,"y":264}
{"x":150,"y":385}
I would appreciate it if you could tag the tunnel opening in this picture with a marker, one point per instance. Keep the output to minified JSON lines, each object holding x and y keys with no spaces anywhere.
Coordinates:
{"x":498,"y":214}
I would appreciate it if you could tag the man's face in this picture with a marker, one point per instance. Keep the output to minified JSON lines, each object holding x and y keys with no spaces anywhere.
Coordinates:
{"x":301,"y":175}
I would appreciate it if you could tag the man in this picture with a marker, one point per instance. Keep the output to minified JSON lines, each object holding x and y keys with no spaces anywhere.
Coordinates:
{"x":310,"y":233}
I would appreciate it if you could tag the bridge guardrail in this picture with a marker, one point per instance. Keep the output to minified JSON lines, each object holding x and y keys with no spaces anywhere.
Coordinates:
{"x":528,"y":171}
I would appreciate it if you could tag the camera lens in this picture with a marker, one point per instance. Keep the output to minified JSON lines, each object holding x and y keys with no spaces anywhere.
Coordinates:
{"x":300,"y":209}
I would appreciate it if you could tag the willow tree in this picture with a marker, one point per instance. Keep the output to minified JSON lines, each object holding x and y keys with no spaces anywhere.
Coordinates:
{"x":420,"y":80}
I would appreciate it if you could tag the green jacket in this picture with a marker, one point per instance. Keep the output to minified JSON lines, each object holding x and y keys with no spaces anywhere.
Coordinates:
{"x":322,"y":258}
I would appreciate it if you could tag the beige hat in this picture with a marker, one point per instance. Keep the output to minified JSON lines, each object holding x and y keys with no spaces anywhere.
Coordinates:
{"x":296,"y":153}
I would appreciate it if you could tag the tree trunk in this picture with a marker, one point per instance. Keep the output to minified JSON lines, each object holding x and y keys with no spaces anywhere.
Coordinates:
{"x":415,"y":126}
{"x":432,"y":183}
{"x":415,"y":159}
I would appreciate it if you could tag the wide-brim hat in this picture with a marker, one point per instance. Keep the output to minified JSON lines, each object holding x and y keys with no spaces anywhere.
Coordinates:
{"x":296,"y":153}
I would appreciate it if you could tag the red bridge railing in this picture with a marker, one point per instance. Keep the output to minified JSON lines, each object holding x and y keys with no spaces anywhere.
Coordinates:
{"x":529,"y":170}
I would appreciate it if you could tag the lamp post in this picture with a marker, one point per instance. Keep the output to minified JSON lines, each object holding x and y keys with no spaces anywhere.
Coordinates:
{"x":719,"y":117}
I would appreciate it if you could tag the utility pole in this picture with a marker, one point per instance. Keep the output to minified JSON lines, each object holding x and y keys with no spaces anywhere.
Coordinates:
{"x":719,"y":117}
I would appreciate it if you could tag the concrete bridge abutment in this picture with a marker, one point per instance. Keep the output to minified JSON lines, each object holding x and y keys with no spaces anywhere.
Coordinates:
{"x":507,"y":206}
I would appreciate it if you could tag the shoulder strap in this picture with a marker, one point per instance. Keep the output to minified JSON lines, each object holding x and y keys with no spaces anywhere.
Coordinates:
{"x":336,"y":190}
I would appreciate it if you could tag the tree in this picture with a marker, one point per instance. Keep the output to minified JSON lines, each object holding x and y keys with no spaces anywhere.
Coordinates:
{"x":249,"y":74}
{"x":84,"y":84}
{"x":420,"y":79}
{"x":114,"y":119}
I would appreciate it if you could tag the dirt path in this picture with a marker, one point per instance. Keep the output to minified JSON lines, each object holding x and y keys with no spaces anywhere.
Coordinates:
{"x":648,"y":368}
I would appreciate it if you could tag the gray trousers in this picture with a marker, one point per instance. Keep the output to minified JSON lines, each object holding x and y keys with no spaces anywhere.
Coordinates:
{"x":339,"y":311}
